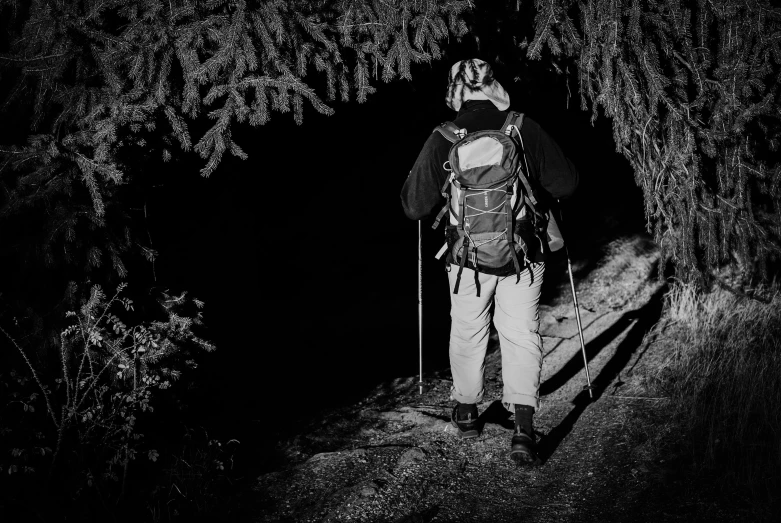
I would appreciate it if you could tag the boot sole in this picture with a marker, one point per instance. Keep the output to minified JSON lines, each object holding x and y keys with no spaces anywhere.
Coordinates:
{"x":465,"y":434}
{"x":523,"y":457}
{"x":522,"y":452}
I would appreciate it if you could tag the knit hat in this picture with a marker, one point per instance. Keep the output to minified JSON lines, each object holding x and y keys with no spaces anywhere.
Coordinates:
{"x":474,"y":80}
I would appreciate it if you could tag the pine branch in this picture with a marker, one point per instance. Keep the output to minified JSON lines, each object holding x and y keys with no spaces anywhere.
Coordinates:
{"x":110,"y":75}
{"x":688,"y":86}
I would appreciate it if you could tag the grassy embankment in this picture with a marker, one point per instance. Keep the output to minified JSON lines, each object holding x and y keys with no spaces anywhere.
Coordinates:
{"x":721,"y":425}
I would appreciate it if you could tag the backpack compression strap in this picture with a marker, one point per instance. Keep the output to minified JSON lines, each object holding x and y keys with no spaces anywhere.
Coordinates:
{"x":509,"y":231}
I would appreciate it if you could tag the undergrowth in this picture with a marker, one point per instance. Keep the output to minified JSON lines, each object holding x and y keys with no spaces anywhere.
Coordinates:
{"x":722,"y":381}
{"x":82,"y":440}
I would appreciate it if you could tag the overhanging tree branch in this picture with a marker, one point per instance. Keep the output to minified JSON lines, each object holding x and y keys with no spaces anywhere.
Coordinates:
{"x":692,"y":88}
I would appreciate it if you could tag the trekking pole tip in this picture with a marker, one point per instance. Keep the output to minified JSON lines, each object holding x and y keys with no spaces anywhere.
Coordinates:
{"x":590,"y":390}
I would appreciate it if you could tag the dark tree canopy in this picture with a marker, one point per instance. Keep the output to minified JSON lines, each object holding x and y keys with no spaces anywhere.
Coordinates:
{"x":101,"y":93}
{"x":107,"y":76}
{"x":691,"y":87}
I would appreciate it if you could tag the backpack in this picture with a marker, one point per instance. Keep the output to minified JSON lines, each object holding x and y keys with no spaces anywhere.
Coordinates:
{"x":487,"y":192}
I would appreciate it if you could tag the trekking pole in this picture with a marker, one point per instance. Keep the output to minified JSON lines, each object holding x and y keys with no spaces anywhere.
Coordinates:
{"x":577,"y":315}
{"x":420,"y":305}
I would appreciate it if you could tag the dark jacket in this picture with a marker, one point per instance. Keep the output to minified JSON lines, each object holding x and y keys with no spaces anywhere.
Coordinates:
{"x":551,"y":174}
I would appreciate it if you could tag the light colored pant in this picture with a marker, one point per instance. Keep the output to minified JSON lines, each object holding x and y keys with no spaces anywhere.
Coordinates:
{"x":516,"y":317}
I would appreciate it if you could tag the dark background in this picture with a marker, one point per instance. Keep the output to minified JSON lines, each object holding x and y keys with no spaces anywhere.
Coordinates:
{"x":307,"y":264}
{"x":303,"y":256}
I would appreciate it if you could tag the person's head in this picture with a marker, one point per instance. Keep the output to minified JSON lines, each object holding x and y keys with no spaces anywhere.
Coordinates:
{"x":473,"y":80}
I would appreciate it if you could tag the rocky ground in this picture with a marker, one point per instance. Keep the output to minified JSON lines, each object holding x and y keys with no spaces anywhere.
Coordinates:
{"x":394,"y":457}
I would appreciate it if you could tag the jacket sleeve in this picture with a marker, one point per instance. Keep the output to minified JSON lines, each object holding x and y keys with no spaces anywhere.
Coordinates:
{"x":555,"y":173}
{"x":421,"y":195}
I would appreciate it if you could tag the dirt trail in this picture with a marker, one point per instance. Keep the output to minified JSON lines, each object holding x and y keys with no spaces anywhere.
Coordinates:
{"x":394,"y":456}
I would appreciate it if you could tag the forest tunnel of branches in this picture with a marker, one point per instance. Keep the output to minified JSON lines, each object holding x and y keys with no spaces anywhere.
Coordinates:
{"x":104,"y":100}
{"x":169,"y":146}
{"x":110,"y":106}
{"x":101,"y":94}
{"x":117,"y":112}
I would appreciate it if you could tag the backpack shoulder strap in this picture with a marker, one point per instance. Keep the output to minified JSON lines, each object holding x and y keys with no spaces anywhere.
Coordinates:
{"x":513,"y":117}
{"x":517,"y":118}
{"x":449,"y":130}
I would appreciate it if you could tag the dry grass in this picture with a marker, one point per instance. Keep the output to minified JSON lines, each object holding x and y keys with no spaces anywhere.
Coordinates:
{"x":723,"y":377}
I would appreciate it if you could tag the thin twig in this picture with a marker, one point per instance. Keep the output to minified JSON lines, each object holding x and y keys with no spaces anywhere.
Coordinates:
{"x":66,"y":376}
{"x":740,"y":293}
{"x":35,"y":376}
{"x":60,"y":431}
{"x":146,"y":224}
{"x":639,"y":397}
{"x":94,"y":328}
{"x":35,"y":59}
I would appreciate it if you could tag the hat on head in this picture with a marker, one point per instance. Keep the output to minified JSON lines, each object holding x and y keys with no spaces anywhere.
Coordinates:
{"x":474,"y":80}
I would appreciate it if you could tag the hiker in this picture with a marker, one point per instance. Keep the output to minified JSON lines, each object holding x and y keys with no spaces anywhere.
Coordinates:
{"x":482,"y":104}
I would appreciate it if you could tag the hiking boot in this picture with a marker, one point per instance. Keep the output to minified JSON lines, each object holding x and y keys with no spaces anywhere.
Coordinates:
{"x":464,"y":419}
{"x":523,"y":449}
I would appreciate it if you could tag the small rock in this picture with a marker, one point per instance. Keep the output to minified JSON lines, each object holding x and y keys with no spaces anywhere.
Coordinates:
{"x":412,"y":455}
{"x":449,"y":428}
{"x":323,"y":456}
{"x":368,"y":491}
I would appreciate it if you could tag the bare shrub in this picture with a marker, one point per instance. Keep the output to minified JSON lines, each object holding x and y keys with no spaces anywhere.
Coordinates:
{"x":87,"y":418}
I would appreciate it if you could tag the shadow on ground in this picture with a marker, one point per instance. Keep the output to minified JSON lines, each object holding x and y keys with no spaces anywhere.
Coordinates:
{"x":644,"y":318}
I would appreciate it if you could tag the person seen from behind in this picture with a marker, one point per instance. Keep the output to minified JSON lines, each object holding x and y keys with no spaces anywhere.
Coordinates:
{"x":482,"y":104}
